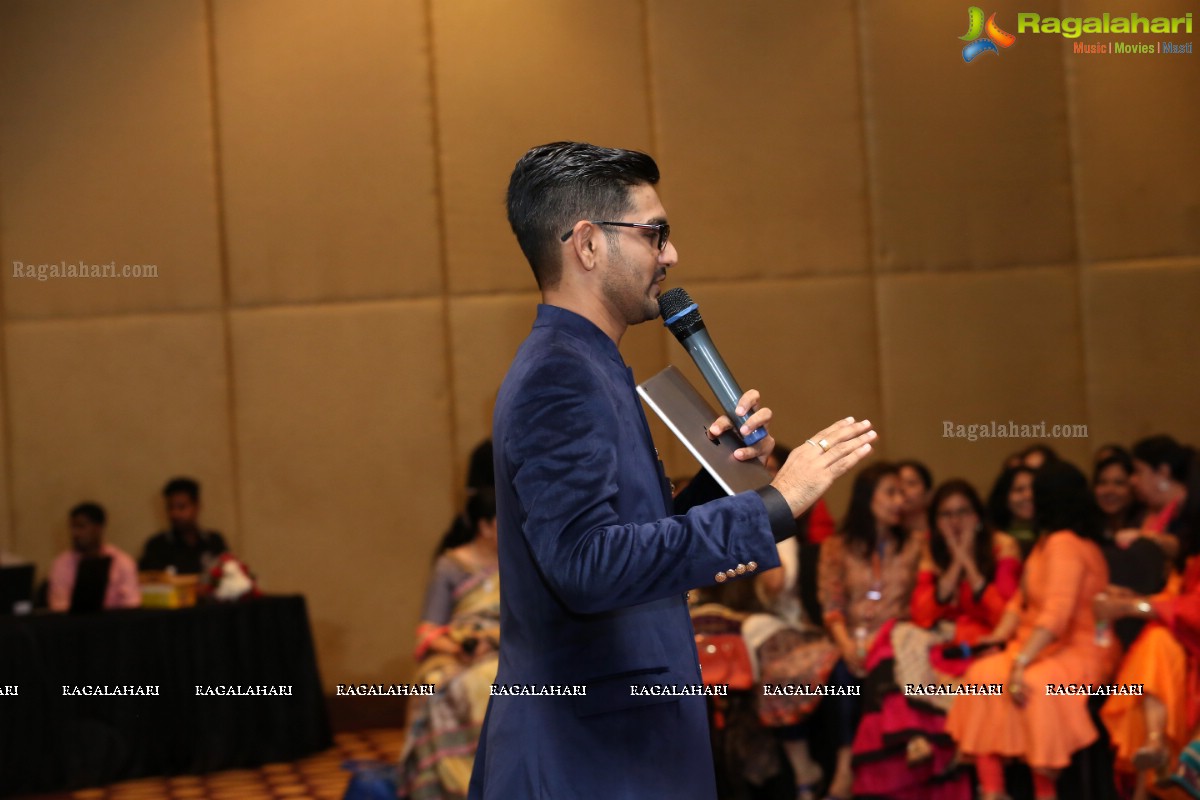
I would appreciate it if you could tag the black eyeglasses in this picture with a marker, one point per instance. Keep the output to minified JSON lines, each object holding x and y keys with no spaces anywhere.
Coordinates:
{"x":663,"y":229}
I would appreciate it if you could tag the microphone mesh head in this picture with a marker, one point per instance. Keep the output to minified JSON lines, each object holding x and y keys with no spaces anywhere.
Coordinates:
{"x":671,"y":302}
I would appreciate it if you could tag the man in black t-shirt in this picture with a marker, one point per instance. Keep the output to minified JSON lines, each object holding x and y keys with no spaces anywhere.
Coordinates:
{"x":185,"y":547}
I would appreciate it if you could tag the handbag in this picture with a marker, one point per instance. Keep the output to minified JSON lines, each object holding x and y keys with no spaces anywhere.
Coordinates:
{"x":725,"y":660}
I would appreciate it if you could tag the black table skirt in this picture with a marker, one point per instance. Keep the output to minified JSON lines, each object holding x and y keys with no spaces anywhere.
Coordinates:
{"x":53,"y":742}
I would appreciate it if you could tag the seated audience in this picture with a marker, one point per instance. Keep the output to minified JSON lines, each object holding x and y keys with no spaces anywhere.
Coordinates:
{"x":1149,"y":731}
{"x":789,"y":645}
{"x":1010,"y":505}
{"x":901,"y":743}
{"x":1141,"y":566}
{"x":1160,"y":466}
{"x":87,"y":541}
{"x":866,"y":577}
{"x":185,"y":548}
{"x":1112,"y":484}
{"x":916,"y":481}
{"x":480,"y":475}
{"x":1049,"y":628}
{"x":969,"y":572}
{"x":457,"y":645}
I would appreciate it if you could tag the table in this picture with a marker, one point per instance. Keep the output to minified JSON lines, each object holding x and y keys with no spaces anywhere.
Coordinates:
{"x":52,"y":740}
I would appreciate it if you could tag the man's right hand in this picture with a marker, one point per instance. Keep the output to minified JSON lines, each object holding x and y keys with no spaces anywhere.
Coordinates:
{"x":812,"y":467}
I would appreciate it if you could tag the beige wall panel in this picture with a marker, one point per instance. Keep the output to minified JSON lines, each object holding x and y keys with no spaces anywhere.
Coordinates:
{"x":106,"y":155}
{"x":346,"y":470}
{"x":809,"y":347}
{"x":512,"y":75}
{"x":7,"y":536}
{"x":972,"y":348}
{"x":1135,"y":128}
{"x":485,"y":335}
{"x":969,"y":162}
{"x":108,"y":410}
{"x":326,"y":150}
{"x":760,"y":138}
{"x":1143,"y":336}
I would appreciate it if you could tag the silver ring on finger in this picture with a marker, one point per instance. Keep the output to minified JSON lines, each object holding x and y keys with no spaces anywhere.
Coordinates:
{"x":814,"y":444}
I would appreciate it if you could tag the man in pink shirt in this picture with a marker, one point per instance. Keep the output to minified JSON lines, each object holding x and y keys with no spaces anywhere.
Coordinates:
{"x":87,"y":538}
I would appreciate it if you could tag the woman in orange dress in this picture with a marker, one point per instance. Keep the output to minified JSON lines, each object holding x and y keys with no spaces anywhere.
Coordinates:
{"x":1049,"y":626}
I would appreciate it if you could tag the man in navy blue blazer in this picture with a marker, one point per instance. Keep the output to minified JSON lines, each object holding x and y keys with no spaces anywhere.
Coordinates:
{"x":593,"y":565}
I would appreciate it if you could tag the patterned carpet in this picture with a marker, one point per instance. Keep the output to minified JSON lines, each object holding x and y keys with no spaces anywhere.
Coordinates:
{"x":318,"y":777}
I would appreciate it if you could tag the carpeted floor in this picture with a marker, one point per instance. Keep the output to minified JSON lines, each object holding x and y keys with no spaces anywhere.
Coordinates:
{"x":318,"y":777}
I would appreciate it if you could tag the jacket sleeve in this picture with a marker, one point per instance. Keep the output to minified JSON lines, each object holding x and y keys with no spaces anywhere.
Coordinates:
{"x":1065,"y":567}
{"x":564,"y":468}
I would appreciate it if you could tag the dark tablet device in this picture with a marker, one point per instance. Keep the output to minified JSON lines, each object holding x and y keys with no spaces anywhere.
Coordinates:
{"x":16,"y":589}
{"x":685,"y":412}
{"x":91,"y":584}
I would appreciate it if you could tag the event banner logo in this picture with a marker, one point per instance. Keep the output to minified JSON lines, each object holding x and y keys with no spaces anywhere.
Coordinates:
{"x":988,"y":37}
{"x":983,"y":38}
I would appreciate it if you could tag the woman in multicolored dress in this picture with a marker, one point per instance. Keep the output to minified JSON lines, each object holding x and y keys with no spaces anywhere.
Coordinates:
{"x":457,"y":645}
{"x":867,"y":574}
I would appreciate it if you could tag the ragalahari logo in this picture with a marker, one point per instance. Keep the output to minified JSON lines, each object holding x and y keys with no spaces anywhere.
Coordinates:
{"x":992,"y":37}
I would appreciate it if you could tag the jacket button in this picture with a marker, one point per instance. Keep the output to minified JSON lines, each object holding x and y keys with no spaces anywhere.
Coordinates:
{"x":731,"y":573}
{"x":753,"y":565}
{"x":719,"y":577}
{"x":741,"y":569}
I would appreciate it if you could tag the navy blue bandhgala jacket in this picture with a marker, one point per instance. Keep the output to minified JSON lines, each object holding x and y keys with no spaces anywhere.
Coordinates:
{"x":595,"y":571}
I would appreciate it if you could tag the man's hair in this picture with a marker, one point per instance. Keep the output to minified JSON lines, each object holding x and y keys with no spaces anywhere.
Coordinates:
{"x":182,"y":486}
{"x":556,"y":185}
{"x":93,"y":511}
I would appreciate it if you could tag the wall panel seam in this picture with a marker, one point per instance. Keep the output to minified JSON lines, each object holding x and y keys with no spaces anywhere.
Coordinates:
{"x":240,"y":534}
{"x":874,"y":260}
{"x":439,"y":193}
{"x":8,"y":542}
{"x":1071,"y":111}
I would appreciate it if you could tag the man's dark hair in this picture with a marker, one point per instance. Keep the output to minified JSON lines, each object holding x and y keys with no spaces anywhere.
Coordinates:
{"x":555,"y":185}
{"x":182,"y":486}
{"x":93,"y":511}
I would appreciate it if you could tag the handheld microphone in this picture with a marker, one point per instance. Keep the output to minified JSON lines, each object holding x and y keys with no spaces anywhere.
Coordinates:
{"x":682,"y":318}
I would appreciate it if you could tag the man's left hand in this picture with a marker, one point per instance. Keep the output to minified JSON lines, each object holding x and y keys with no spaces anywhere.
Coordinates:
{"x":759,"y":417}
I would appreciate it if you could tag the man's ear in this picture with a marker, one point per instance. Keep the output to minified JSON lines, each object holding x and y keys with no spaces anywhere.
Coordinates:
{"x":586,"y":244}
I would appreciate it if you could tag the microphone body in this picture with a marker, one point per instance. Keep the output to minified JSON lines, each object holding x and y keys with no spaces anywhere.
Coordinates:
{"x":682,"y":318}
